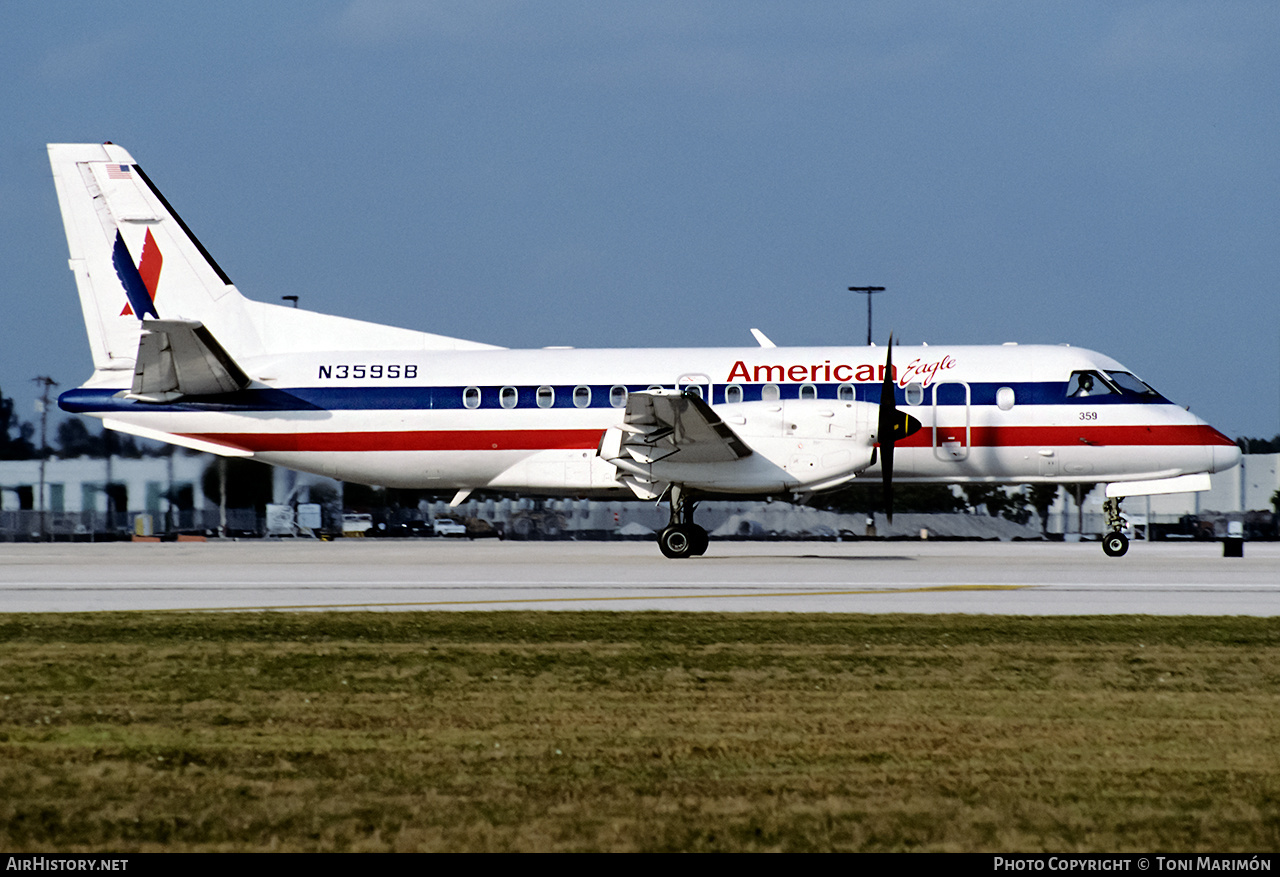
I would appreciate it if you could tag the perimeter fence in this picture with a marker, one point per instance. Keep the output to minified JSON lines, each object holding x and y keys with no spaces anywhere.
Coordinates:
{"x":29,"y":525}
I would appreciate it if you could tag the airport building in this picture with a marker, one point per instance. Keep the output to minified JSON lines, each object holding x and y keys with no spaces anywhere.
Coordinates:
{"x":88,"y":497}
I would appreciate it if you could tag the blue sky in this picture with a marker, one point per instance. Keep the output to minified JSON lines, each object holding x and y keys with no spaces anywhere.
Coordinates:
{"x":1105,"y":174}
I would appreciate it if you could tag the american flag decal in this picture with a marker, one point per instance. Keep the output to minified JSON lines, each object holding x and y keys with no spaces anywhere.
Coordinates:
{"x":118,"y":172}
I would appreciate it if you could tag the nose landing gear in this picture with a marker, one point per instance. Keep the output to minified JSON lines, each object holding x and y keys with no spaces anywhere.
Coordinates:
{"x":682,"y":537}
{"x":1115,"y":543}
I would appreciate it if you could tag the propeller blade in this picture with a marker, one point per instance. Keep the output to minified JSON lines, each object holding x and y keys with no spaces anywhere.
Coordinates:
{"x":884,"y":430}
{"x":893,"y":426}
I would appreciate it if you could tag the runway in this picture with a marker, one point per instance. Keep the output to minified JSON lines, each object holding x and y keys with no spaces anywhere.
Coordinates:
{"x":1023,"y":578}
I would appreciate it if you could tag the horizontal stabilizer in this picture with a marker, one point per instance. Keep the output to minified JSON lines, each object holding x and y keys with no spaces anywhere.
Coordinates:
{"x":181,"y":441}
{"x":182,"y":358}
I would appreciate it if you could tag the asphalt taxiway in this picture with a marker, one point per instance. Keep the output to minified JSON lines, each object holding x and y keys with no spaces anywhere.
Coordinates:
{"x":1023,"y":578}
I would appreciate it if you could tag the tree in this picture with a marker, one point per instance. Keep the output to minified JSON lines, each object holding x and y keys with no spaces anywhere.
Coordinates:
{"x":19,"y":447}
{"x":248,"y":483}
{"x":75,"y":440}
{"x":1040,"y":497}
{"x":998,"y":501}
{"x":1080,"y":491}
{"x":121,"y":444}
{"x":1259,"y":445}
{"x":869,"y":497}
{"x":363,"y":497}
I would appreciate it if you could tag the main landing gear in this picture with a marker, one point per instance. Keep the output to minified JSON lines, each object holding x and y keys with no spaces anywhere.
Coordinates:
{"x":1115,"y":543}
{"x":682,"y":537}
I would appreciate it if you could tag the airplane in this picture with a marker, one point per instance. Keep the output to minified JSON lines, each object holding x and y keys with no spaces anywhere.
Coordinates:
{"x":181,"y":356}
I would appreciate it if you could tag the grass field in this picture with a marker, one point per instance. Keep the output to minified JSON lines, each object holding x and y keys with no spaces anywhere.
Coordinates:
{"x":638,"y":731}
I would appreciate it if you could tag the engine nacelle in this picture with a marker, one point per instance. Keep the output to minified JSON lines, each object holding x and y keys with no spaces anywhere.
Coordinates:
{"x":795,"y":445}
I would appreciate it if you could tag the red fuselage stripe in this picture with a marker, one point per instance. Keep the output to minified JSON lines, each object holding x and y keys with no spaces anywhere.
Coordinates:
{"x":589,"y":439}
{"x":416,"y":440}
{"x":1062,"y":436}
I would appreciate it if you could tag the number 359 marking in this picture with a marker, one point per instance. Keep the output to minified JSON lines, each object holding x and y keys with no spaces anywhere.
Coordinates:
{"x":1088,"y":415}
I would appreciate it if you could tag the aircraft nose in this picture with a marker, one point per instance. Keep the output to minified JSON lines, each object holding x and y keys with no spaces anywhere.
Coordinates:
{"x":1225,"y":457}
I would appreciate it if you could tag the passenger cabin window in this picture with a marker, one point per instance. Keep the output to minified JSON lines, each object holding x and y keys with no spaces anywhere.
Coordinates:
{"x":581,"y":396}
{"x":618,"y":396}
{"x":845,"y":393}
{"x":653,"y":387}
{"x":914,"y":394}
{"x":1005,"y":398}
{"x":732,"y":394}
{"x":507,"y":397}
{"x":693,"y":390}
{"x":1088,"y":383}
{"x":808,"y":391}
{"x":471,"y":397}
{"x":546,"y":397}
{"x":769,"y":393}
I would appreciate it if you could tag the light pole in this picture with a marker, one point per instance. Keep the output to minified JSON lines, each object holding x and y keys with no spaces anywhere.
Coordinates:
{"x":1244,"y":478}
{"x":45,"y":383}
{"x":868,"y":291}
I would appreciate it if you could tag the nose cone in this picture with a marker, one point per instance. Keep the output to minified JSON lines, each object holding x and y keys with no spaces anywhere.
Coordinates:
{"x":1224,"y":457}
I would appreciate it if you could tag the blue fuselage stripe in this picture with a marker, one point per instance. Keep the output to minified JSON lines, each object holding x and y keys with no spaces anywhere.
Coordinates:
{"x":384,"y":398}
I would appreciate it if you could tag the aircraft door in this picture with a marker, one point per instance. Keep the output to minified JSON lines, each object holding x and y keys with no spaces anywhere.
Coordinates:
{"x":697,"y":384}
{"x":952,"y":428}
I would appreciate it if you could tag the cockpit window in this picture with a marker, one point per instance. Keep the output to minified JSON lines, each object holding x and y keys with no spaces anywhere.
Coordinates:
{"x":1131,"y":384}
{"x":1088,"y":384}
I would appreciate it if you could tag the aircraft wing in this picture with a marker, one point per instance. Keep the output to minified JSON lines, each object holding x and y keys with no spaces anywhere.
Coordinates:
{"x":182,"y":358}
{"x":660,"y":423}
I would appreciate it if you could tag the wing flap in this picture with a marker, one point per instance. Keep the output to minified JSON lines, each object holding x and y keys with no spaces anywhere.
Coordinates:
{"x":667,"y":425}
{"x":660,"y":425}
{"x":679,"y":423}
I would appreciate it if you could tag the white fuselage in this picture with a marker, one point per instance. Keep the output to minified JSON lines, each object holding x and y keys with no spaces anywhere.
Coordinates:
{"x":533,"y":420}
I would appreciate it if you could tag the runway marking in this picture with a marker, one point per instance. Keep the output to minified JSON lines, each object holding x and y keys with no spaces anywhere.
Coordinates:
{"x":596,"y":599}
{"x":404,"y":583}
{"x":466,"y":584}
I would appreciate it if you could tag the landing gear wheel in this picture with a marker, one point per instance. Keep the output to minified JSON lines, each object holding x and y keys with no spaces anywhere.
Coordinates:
{"x":1115,"y":544}
{"x":682,"y":537}
{"x":676,"y":541}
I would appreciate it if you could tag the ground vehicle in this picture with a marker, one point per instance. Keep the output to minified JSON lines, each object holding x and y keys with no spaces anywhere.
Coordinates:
{"x":356,"y":524}
{"x":448,"y":527}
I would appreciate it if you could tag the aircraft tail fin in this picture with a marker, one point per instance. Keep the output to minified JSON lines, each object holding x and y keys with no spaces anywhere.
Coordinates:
{"x":137,"y":263}
{"x":133,"y":256}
